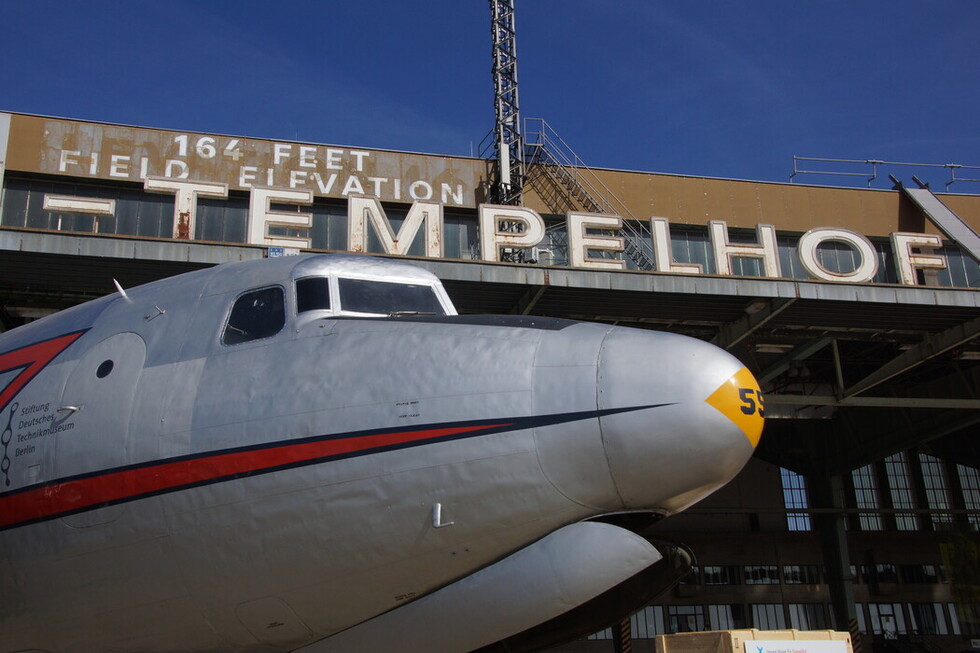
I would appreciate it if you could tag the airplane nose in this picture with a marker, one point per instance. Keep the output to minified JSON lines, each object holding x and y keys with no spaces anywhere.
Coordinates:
{"x":702,"y":419}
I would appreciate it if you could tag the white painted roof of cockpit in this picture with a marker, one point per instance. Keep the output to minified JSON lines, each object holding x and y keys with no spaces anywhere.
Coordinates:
{"x":246,"y":274}
{"x":360,"y":267}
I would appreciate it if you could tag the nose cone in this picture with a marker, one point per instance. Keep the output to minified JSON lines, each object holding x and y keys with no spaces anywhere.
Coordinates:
{"x":703,"y":419}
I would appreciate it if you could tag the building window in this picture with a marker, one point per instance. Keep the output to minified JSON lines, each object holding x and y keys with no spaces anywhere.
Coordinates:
{"x":648,"y":622}
{"x":927,"y":619}
{"x":900,"y":489}
{"x":866,"y":497}
{"x":761,"y":575}
{"x":795,"y":498}
{"x":801,"y":574}
{"x":953,"y":619}
{"x":862,"y":624}
{"x":970,"y":482}
{"x":726,"y":617}
{"x":807,"y":616}
{"x":878,"y":574}
{"x":887,"y":620}
{"x":720,"y":575}
{"x":768,"y":616}
{"x":937,"y":491}
{"x":921,"y":574}
{"x":685,"y":618}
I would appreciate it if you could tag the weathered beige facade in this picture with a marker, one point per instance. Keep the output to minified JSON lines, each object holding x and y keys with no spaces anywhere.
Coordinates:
{"x":54,"y":146}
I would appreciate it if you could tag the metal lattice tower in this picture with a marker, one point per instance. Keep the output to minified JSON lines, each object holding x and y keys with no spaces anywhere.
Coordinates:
{"x":508,"y":183}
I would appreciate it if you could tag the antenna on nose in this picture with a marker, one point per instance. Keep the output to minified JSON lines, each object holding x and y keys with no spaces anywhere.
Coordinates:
{"x":122,"y":292}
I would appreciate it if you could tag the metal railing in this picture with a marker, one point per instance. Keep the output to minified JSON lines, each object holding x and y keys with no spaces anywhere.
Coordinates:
{"x":874,"y":164}
{"x":563,"y":181}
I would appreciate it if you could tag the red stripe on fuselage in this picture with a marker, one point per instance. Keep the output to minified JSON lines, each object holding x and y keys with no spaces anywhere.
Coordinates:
{"x":114,"y":486}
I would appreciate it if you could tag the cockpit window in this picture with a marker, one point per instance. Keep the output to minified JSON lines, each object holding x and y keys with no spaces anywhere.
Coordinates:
{"x":312,"y":294}
{"x":388,"y":298}
{"x":256,"y":314}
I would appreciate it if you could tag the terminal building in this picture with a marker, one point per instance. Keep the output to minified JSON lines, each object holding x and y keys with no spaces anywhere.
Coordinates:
{"x":857,"y":309}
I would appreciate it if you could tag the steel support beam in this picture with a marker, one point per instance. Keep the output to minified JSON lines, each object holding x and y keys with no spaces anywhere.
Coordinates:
{"x":802,"y":352}
{"x":931,"y":347}
{"x":529,"y":300}
{"x":872,"y":402}
{"x":731,"y":334}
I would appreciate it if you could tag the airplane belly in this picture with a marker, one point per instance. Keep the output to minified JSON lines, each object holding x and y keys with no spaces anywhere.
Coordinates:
{"x":333,"y":553}
{"x":337,"y":553}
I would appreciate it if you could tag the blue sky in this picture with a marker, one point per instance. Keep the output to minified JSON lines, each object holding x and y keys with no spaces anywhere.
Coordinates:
{"x":721,"y":89}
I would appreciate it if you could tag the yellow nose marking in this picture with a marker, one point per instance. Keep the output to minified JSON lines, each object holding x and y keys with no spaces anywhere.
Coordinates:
{"x":740,"y":400}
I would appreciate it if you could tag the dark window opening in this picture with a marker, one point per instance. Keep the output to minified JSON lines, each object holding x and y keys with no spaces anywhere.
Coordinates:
{"x":312,"y":294}
{"x":921,"y":574}
{"x":255,"y":315}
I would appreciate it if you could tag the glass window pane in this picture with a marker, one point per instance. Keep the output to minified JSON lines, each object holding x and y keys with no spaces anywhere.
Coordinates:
{"x":807,"y":616}
{"x":761,"y":575}
{"x":937,"y":490}
{"x":685,"y":618}
{"x":726,"y":617}
{"x":795,"y":497}
{"x":720,"y":575}
{"x":954,"y":618}
{"x":257,"y":314}
{"x":768,"y":616}
{"x":866,"y":497}
{"x":970,"y":482}
{"x":312,"y":294}
{"x":900,"y":488}
{"x":387,"y":298}
{"x":801,"y":574}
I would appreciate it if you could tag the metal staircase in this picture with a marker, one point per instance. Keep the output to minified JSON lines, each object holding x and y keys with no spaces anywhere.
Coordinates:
{"x":563,"y":181}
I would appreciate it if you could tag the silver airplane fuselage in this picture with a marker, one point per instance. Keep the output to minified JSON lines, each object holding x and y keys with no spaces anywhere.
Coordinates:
{"x":316,"y":453}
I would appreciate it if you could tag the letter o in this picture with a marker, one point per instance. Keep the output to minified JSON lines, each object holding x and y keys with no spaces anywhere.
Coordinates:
{"x":414,"y":193}
{"x":865,"y":270}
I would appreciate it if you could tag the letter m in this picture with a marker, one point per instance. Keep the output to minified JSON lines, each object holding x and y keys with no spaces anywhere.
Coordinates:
{"x":364,"y":210}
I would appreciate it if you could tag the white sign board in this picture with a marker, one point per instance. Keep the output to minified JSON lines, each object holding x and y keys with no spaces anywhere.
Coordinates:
{"x":796,"y":646}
